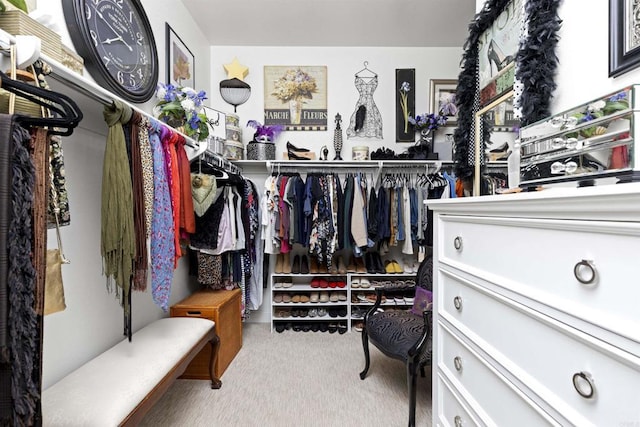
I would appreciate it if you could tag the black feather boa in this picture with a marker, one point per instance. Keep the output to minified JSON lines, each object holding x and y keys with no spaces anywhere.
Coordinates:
{"x":537,"y":64}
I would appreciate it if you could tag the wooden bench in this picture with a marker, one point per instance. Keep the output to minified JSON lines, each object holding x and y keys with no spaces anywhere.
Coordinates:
{"x":119,"y":386}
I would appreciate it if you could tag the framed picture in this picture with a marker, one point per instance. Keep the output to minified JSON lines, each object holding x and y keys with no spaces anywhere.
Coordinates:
{"x":624,"y":36}
{"x":443,"y":99}
{"x":405,"y":104}
{"x":180,"y":61}
{"x":296,"y":97}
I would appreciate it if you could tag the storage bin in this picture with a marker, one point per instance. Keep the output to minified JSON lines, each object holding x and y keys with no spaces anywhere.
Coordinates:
{"x":261,"y":151}
{"x":233,"y":150}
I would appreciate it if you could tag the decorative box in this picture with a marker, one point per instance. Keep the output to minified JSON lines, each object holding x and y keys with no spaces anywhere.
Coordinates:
{"x":232,"y":120}
{"x":360,"y":152}
{"x":233,"y":150}
{"x":16,"y":22}
{"x":593,"y":140}
{"x":233,"y":133}
{"x":261,"y":151}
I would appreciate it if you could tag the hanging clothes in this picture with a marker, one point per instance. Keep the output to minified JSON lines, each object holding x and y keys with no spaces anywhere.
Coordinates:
{"x":141,"y":259}
{"x":117,"y":231}
{"x":162,"y":226}
{"x":20,"y":340}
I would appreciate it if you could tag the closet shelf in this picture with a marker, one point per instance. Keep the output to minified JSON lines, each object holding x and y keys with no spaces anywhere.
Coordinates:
{"x":97,"y":93}
{"x":274,"y":165}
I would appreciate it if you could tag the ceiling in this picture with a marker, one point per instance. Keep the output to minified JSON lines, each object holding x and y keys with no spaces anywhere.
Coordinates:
{"x":385,"y":23}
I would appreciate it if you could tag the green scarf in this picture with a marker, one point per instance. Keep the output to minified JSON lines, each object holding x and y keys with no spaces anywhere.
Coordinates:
{"x":117,"y":233}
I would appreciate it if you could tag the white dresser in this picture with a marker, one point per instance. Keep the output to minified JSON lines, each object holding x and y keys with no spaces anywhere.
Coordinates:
{"x":537,"y":308}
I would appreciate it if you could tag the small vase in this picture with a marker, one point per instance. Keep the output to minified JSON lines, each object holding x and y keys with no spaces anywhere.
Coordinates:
{"x":295,"y":111}
{"x":426,"y":141}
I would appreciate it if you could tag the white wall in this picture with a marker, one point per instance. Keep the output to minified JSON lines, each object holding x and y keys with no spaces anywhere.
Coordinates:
{"x":93,"y":321}
{"x":342,"y":63}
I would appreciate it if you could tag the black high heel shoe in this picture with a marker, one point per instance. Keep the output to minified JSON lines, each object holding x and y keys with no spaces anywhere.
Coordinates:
{"x":495,"y":55}
{"x":291,"y":147}
{"x":294,"y":156}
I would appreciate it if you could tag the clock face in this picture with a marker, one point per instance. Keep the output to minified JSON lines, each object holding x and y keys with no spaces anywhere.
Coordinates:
{"x":115,"y":39}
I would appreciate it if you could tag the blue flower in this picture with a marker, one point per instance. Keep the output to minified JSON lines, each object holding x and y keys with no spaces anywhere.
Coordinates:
{"x":618,"y":96}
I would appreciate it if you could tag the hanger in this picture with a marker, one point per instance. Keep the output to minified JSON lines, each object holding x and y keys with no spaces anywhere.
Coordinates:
{"x":363,"y":73}
{"x":68,"y":111}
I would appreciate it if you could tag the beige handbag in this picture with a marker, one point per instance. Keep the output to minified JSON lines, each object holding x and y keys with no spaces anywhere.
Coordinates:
{"x":53,"y":287}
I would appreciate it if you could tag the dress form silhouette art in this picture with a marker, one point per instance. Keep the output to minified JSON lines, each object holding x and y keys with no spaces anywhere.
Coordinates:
{"x":337,"y":137}
{"x":366,"y":120}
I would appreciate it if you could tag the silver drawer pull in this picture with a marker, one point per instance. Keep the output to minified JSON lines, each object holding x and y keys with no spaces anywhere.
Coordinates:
{"x":457,"y":421}
{"x":583,"y":383}
{"x":457,"y":362}
{"x":457,"y":303}
{"x":457,"y":243}
{"x":585,"y":272}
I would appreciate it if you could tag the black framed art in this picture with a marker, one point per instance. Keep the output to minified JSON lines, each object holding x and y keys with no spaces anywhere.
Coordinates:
{"x":624,"y":36}
{"x":181,"y":64}
{"x":405,"y":104}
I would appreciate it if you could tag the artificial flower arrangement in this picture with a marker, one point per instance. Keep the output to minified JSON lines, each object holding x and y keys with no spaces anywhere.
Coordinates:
{"x":265,"y":133}
{"x":597,"y":109}
{"x":429,"y":121}
{"x":182,"y":107}
{"x":295,"y":85}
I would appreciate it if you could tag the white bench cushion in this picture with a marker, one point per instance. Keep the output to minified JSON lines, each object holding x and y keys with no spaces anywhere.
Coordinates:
{"x":106,"y":389}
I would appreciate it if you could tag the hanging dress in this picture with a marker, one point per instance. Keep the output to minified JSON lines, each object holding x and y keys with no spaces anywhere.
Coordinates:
{"x":371,"y":126}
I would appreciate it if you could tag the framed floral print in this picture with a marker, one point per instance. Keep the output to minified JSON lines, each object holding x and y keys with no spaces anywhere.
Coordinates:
{"x":180,"y":61}
{"x":296,"y":97}
{"x":443,"y":99}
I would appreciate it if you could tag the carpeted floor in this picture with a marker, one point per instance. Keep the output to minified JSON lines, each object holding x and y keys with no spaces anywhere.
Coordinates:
{"x":297,"y":379}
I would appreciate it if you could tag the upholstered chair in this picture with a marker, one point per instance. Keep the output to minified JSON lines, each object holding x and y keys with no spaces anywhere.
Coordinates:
{"x":402,"y":335}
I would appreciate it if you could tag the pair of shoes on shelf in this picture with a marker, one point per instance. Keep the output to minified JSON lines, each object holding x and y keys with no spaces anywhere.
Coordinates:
{"x":342,"y":268}
{"x":360,"y":283}
{"x":360,"y":267}
{"x":283,"y":264}
{"x":294,"y":153}
{"x":373,"y":263}
{"x":410,"y":266}
{"x":393,"y":267}
{"x":300,"y":265}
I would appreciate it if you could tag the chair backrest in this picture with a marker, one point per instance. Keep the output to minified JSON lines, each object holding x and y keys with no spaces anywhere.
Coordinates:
{"x":424,"y":277}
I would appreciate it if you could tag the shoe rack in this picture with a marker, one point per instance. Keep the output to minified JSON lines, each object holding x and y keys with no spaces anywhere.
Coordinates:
{"x":309,"y":302}
{"x":331,"y":302}
{"x":363,"y":294}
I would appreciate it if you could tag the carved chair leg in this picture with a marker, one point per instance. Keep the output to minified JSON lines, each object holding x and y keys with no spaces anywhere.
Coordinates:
{"x":412,"y":379}
{"x":365,"y":347}
{"x":215,"y":347}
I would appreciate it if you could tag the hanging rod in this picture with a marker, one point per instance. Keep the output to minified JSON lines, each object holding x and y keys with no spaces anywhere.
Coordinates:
{"x":215,"y":160}
{"x":319,"y":164}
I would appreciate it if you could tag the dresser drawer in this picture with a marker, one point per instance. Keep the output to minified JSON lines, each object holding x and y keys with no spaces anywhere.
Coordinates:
{"x":451,"y":409}
{"x":502,"y":402}
{"x":545,"y":262}
{"x":545,"y":355}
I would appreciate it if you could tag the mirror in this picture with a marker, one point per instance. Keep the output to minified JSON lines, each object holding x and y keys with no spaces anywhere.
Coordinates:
{"x":534,"y":68}
{"x":495,"y":137}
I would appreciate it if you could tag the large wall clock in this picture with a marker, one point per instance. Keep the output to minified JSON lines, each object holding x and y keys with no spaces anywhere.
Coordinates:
{"x":116,"y":41}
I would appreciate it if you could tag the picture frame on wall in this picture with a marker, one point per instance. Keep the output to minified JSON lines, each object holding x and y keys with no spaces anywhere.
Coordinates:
{"x":181,"y":64}
{"x":624,"y":36}
{"x":442,"y":99}
{"x":296,"y":97}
